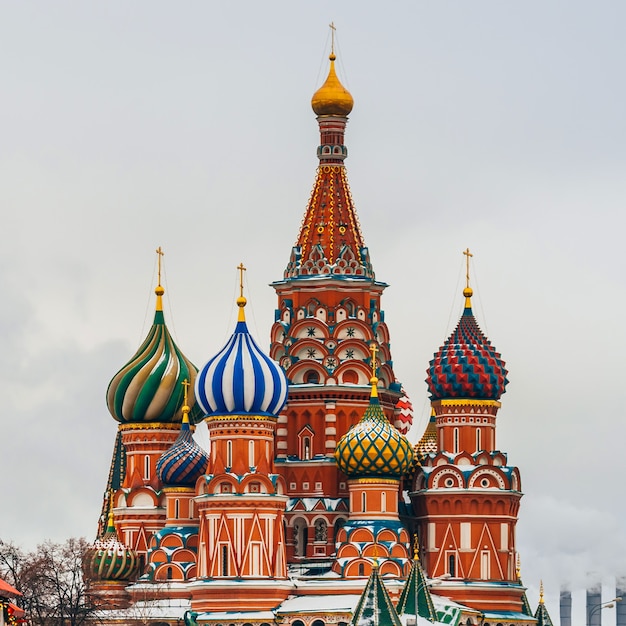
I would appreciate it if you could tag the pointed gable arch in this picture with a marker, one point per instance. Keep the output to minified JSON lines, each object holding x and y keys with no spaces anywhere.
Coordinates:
{"x":486,"y":543}
{"x":142,"y":541}
{"x":449,"y":545}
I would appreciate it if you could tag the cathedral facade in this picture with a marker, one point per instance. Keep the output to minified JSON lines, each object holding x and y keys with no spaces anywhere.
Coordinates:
{"x":311,"y":506}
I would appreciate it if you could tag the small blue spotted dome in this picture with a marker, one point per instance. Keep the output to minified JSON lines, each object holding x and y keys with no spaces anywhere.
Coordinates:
{"x":241,"y":379}
{"x":185,"y":461}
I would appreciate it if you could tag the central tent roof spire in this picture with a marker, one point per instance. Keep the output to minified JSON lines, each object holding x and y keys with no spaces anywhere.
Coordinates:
{"x":330,"y":242}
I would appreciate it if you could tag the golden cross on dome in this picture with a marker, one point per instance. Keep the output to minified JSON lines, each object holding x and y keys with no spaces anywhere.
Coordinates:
{"x":185,"y":385}
{"x":241,"y":269}
{"x":333,"y":28}
{"x":160,"y":253}
{"x":373,"y":350}
{"x":467,"y":254}
{"x":185,"y":408}
{"x":110,"y":515}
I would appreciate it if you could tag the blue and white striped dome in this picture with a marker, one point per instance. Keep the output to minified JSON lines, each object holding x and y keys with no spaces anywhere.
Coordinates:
{"x":241,"y":379}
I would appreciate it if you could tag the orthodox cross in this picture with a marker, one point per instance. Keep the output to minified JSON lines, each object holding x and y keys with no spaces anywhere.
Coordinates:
{"x":467,"y":254}
{"x":160,"y":253}
{"x":333,"y":28}
{"x":241,"y":269}
{"x":373,"y":350}
{"x":109,"y":521}
{"x":185,"y":385}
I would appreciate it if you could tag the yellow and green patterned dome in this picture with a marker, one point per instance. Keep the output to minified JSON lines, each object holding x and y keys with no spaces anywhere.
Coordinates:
{"x":373,"y":447}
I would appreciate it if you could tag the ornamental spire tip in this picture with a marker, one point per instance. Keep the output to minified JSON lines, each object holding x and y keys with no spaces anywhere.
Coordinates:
{"x":159,"y":291}
{"x":467,"y":292}
{"x":241,"y":301}
{"x":374,"y":379}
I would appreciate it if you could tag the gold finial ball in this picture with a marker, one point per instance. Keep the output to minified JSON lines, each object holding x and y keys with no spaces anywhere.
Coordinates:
{"x":159,"y":290}
{"x":467,"y":292}
{"x":241,"y":301}
{"x":332,"y":56}
{"x":373,"y":380}
{"x":185,"y":409}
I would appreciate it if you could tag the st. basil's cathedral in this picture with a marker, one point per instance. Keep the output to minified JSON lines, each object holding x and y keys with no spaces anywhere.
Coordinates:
{"x":311,"y":507}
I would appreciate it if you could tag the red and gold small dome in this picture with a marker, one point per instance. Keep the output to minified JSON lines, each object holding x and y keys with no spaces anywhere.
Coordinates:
{"x":467,"y":365}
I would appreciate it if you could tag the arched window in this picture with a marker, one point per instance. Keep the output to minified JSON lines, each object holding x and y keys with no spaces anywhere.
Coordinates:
{"x":350,"y":378}
{"x":452,"y":565}
{"x":321,"y":530}
{"x":363,"y":502}
{"x":224,"y":560}
{"x":229,"y":454}
{"x":312,"y":377}
{"x":455,"y":440}
{"x":305,"y":443}
{"x":485,"y":572}
{"x":146,"y":467}
{"x":478,"y":440}
{"x":383,"y":502}
{"x":300,"y":536}
{"x":176,"y":508}
{"x":340,"y":522}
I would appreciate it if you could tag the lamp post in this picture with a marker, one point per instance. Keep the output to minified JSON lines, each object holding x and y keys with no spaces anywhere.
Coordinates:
{"x":593,"y":610}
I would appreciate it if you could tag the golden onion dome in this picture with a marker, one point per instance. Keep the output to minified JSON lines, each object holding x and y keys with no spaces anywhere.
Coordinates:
{"x":373,"y":447}
{"x":332,"y":98}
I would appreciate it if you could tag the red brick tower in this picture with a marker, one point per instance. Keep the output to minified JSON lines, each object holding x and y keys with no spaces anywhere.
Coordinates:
{"x":329,"y":312}
{"x":146,"y":396}
{"x":465,"y":497}
{"x":241,"y":501}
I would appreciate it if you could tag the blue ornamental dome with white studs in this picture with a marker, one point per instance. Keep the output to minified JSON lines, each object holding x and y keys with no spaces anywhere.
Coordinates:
{"x":241,"y":379}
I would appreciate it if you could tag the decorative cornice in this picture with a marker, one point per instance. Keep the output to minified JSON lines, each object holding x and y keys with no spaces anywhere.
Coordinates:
{"x":384,"y":481}
{"x":466,"y":402}
{"x":240,"y":418}
{"x":150,"y":426}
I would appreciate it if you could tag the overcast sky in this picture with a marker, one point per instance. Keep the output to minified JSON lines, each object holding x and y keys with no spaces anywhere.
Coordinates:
{"x":489,"y":124}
